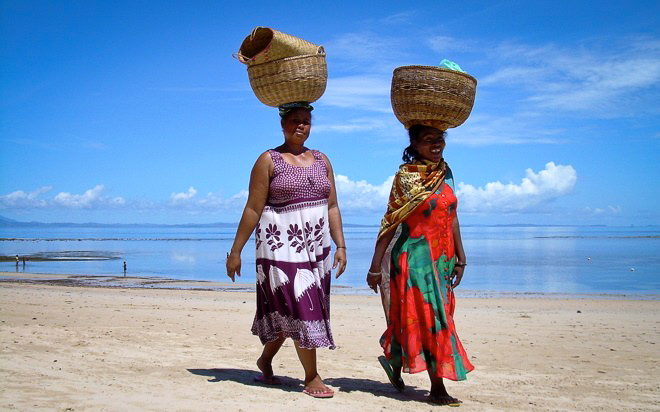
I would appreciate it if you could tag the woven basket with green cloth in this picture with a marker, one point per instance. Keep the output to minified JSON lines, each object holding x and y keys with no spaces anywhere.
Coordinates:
{"x":432,"y":96}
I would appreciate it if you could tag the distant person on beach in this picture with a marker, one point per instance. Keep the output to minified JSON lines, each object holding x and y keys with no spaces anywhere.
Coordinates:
{"x":292,"y":203}
{"x":418,"y":272}
{"x":16,"y":261}
{"x":124,"y":268}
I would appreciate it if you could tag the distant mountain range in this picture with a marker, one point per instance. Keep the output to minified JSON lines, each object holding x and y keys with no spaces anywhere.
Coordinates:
{"x":6,"y":222}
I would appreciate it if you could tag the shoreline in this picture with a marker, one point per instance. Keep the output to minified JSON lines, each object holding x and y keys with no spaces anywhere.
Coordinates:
{"x":160,"y":282}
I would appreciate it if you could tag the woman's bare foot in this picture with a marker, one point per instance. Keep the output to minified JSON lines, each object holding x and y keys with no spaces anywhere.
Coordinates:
{"x":444,"y":400}
{"x":317,"y":389}
{"x":265,"y":367}
{"x":439,"y":395}
{"x":267,"y":377}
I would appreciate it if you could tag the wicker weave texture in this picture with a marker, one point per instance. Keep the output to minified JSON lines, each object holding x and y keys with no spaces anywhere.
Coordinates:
{"x":265,"y":44}
{"x":432,"y":96}
{"x":293,"y":79}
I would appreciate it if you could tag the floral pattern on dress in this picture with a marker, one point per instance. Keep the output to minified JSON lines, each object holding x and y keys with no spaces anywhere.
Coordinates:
{"x":294,"y":246}
{"x":295,"y":237}
{"x":257,"y":233}
{"x":308,"y":236}
{"x":273,"y":236}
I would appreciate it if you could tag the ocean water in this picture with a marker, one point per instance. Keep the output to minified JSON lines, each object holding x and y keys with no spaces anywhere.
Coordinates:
{"x":564,"y":260}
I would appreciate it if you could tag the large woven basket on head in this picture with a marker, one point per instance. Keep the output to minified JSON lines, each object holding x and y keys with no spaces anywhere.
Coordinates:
{"x":432,"y":96}
{"x":292,"y":79}
{"x":265,"y":44}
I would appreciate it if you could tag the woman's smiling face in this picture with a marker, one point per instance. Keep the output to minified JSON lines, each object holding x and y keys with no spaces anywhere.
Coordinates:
{"x":296,"y":126}
{"x":430,"y":144}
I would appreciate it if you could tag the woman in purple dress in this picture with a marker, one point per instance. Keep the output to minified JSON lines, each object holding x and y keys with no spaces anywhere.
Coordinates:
{"x":292,"y":208}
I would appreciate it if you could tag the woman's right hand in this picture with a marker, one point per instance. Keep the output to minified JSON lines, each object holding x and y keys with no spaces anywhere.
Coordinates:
{"x":233,"y":265}
{"x":374,"y":281}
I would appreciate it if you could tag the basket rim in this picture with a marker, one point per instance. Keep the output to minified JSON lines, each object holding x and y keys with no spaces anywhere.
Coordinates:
{"x":287,"y":59}
{"x":434,"y":68}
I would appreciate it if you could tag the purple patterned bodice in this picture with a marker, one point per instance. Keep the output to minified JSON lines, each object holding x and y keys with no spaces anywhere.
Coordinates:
{"x":294,"y":183}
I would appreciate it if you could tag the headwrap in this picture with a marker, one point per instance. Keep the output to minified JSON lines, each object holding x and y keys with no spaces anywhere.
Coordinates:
{"x":412,"y":185}
{"x":287,"y":107}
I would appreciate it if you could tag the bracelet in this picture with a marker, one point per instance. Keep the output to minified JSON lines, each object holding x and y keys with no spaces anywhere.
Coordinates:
{"x":460,"y":264}
{"x":340,"y":247}
{"x":370,"y":273}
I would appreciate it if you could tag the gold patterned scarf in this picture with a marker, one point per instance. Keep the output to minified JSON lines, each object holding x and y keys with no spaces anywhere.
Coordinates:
{"x":412,"y":185}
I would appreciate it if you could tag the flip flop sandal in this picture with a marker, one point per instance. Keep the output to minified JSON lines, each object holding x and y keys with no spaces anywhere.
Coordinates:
{"x":320,"y":395}
{"x":397,"y":383}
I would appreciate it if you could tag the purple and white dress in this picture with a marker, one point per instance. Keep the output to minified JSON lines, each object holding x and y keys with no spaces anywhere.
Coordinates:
{"x":293,"y":256}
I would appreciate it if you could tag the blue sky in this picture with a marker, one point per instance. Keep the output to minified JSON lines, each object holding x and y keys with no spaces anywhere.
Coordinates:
{"x":129,"y":112}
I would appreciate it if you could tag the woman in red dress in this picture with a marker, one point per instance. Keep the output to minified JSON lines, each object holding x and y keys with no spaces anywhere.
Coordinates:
{"x":417,"y":273}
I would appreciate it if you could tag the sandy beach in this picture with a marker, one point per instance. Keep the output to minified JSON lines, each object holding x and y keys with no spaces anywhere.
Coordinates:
{"x":73,"y":348}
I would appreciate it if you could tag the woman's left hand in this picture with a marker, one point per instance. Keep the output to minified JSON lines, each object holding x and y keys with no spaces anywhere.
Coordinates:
{"x":340,"y":261}
{"x":456,"y":276}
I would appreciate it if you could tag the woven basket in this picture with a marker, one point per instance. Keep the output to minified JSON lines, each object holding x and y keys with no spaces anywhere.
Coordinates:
{"x":432,"y":96}
{"x":293,"y":79}
{"x":265,"y":44}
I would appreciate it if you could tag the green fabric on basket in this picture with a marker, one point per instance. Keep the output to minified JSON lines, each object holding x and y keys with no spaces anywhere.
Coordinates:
{"x":448,"y":64}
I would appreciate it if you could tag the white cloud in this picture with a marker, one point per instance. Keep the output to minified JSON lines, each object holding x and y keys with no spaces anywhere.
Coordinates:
{"x":361,"y":196}
{"x":21,"y":199}
{"x":602,"y":87}
{"x":361,"y":49}
{"x":405,"y":17}
{"x":92,"y":198}
{"x":519,"y":128}
{"x":211,"y":202}
{"x":603,"y":211}
{"x":368,"y":92}
{"x":598,"y":81}
{"x":515,"y":75}
{"x":183,"y":196}
{"x":355,"y":125}
{"x":240,"y":196}
{"x":355,"y":197}
{"x":525,"y":87}
{"x":534,"y":190}
{"x":444,"y":44}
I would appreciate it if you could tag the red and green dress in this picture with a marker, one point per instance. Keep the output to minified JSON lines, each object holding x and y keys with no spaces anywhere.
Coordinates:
{"x":421,"y":334}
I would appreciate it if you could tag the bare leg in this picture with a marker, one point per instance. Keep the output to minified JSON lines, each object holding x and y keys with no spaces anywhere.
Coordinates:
{"x":313,"y":383}
{"x":265,"y":362}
